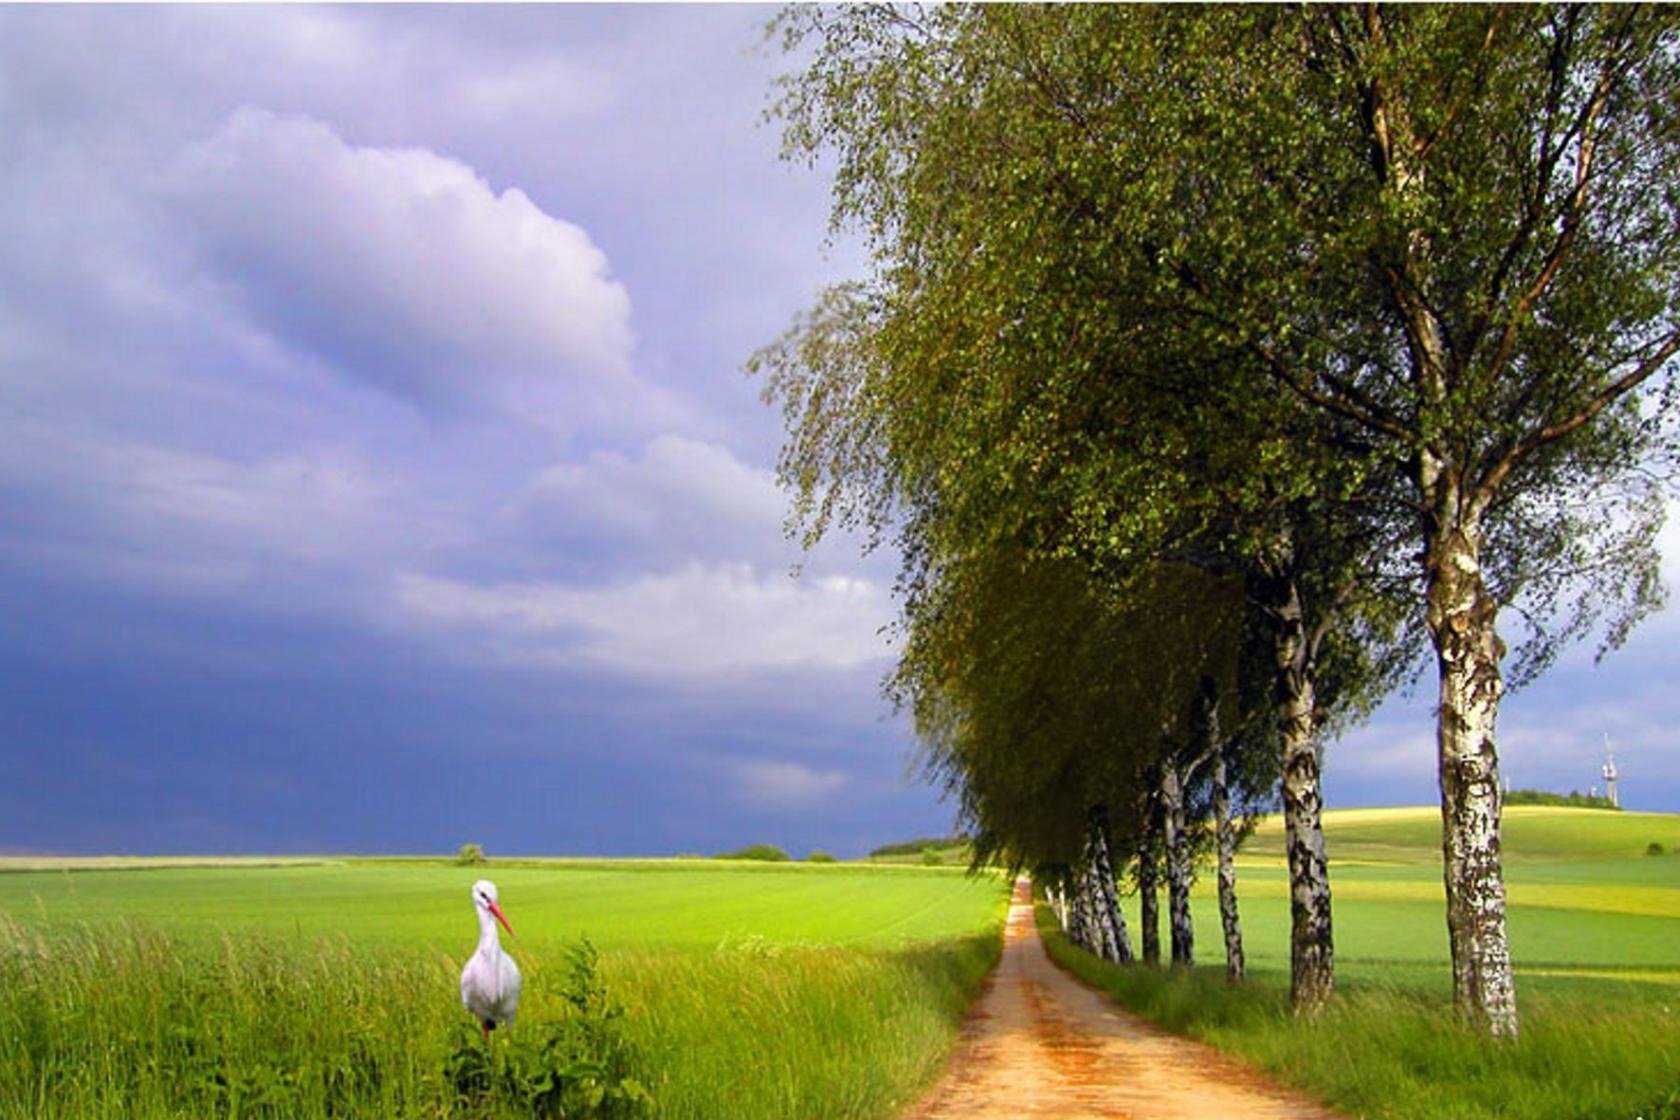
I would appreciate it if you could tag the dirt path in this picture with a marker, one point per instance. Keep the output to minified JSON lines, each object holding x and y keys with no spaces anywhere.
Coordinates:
{"x":1040,"y":1043}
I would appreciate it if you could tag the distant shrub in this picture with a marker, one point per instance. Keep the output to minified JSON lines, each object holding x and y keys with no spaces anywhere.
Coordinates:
{"x":820,"y":857}
{"x":932,"y":858}
{"x":470,"y":853}
{"x":921,"y":844}
{"x":768,"y":853}
{"x":1574,"y":799}
{"x":1653,"y":849}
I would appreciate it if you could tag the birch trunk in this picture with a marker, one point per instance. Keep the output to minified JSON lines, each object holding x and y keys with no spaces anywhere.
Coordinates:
{"x":1458,"y":610}
{"x":1149,"y":909}
{"x":1311,"y":943}
{"x":1461,"y":618}
{"x":1178,"y":867}
{"x":1112,"y":937}
{"x":1078,"y":929}
{"x":1235,"y":967}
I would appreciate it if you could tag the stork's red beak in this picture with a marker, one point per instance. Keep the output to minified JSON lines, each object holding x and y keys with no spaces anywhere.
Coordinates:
{"x":497,"y":910}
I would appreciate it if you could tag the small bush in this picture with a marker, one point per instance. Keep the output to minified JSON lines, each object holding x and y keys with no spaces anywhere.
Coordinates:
{"x":821,"y":857}
{"x":1574,"y":799}
{"x":931,"y":858}
{"x":769,"y":853}
{"x":470,"y":854}
{"x":1653,"y":849}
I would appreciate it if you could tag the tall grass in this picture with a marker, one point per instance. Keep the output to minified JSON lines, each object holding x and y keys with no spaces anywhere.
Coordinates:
{"x":763,"y":1030}
{"x":123,"y":1020}
{"x":1604,"y":1052}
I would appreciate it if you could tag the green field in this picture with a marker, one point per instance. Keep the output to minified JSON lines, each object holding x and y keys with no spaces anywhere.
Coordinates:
{"x":617,"y":904}
{"x":1583,"y":898}
{"x":1595,"y":934}
{"x":750,"y":990}
{"x":291,"y":988}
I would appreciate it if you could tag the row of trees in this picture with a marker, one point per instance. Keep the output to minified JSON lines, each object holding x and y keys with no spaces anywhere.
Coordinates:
{"x":1216,"y":363}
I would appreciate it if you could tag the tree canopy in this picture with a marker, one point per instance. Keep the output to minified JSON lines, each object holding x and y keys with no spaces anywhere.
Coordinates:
{"x":1393,"y":287}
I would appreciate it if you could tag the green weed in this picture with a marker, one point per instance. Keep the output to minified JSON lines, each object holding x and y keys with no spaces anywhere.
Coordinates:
{"x":581,"y":1066}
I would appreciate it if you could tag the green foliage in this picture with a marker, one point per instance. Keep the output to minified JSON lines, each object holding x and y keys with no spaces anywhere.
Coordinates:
{"x":470,"y":854}
{"x":1054,"y":446}
{"x":1574,"y":798}
{"x":819,"y":856}
{"x":764,"y":853}
{"x":1359,"y":302}
{"x":1653,"y":849}
{"x":581,"y":1065}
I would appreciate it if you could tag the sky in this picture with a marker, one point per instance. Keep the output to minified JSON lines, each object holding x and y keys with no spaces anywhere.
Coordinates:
{"x":378,"y":472}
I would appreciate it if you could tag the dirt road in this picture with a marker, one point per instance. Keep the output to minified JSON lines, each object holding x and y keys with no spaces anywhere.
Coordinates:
{"x":1041,"y":1044}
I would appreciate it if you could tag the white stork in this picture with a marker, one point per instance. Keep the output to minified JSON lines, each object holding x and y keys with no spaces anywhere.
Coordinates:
{"x":490,"y":981}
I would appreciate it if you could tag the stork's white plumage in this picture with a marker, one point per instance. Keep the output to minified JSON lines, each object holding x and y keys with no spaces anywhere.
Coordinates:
{"x":490,"y":981}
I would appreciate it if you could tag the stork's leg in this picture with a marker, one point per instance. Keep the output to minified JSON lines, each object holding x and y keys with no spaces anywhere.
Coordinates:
{"x":487,"y":1025}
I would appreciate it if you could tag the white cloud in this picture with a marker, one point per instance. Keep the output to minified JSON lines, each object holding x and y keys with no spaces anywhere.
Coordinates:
{"x":404,"y":268}
{"x":676,"y":500}
{"x":696,"y":621}
{"x":674,"y":470}
{"x":785,"y":784}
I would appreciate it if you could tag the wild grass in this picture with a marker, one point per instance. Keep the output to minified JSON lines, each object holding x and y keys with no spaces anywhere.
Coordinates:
{"x":129,"y":1017}
{"x":1385,"y":1051}
{"x":770,"y":1031}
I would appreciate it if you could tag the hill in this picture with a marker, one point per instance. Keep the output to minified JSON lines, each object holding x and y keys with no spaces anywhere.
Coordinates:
{"x":1531,"y":834}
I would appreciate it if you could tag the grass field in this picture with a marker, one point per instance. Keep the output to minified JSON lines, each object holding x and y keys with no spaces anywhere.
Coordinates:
{"x":1583,"y":898}
{"x":750,"y":990}
{"x":617,"y":904}
{"x":1595,"y":932}
{"x":319,"y":988}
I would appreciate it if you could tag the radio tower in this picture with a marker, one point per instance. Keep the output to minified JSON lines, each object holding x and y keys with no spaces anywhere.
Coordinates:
{"x":1609,"y":772}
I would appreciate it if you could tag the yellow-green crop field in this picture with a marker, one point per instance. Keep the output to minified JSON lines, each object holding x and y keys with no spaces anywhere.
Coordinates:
{"x":1584,"y":899}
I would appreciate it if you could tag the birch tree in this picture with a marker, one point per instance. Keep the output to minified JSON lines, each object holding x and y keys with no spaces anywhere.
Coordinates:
{"x":1447,"y":235}
{"x":1008,"y":374}
{"x":1454,"y":229}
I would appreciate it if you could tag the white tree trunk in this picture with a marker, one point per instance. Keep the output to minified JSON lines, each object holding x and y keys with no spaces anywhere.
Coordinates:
{"x":1461,"y":618}
{"x":1311,"y":941}
{"x":1113,"y":941}
{"x":1236,"y":968}
{"x":1178,"y":867}
{"x":1078,"y":928}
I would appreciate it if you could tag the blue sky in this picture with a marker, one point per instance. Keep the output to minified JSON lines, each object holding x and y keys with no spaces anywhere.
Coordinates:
{"x":377,"y":472}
